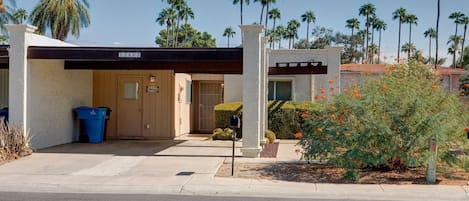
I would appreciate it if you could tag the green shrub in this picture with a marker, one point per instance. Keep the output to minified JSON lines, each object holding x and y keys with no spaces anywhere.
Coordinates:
{"x":222,"y":134}
{"x":282,"y":116}
{"x":269,"y":136}
{"x":387,"y":122}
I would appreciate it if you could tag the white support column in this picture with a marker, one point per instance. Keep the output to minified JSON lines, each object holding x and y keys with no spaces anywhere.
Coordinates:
{"x":19,"y":74}
{"x":252,"y":81}
{"x":263,"y":94}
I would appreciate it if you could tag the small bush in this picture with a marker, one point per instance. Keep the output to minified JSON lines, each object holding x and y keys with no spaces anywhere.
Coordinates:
{"x":13,"y":142}
{"x":269,"y":136}
{"x":222,"y":134}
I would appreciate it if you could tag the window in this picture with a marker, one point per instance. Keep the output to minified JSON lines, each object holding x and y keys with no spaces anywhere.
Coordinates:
{"x":280,"y":90}
{"x":131,"y":90}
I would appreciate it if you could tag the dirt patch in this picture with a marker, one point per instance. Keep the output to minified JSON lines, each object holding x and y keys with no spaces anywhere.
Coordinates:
{"x":318,"y":173}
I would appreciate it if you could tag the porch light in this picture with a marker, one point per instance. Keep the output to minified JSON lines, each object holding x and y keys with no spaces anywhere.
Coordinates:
{"x":152,"y":78}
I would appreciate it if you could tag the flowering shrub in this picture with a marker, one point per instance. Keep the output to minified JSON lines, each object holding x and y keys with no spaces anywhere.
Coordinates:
{"x":386,"y":123}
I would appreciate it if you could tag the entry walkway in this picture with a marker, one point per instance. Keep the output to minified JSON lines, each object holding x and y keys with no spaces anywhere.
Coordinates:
{"x":184,"y":166}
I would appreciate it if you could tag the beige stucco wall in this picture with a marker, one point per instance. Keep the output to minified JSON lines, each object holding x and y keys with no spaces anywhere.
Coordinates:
{"x":182,"y":108}
{"x":306,"y":87}
{"x":54,"y":93}
{"x":3,"y":88}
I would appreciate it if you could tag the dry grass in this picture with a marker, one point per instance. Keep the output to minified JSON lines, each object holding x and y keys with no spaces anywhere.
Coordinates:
{"x":13,"y":142}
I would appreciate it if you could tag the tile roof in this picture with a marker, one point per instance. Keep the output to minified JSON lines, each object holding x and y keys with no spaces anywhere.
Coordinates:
{"x":380,"y":68}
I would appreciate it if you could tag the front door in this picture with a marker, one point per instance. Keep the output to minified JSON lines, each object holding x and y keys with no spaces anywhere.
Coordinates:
{"x":129,"y":107}
{"x":210,"y":94}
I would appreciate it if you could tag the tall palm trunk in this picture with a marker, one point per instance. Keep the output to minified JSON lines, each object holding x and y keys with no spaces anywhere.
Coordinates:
{"x":176,"y":37}
{"x":372,"y":42}
{"x":289,"y":42}
{"x":266,"y":18}
{"x":185,"y":30}
{"x":228,"y":37}
{"x":241,"y":10}
{"x":273,"y":37}
{"x":307,"y":31}
{"x":367,"y":36}
{"x":399,"y":43}
{"x":463,"y":40}
{"x":430,"y":48}
{"x":437,"y":30}
{"x":353,"y":46}
{"x":379,"y":47}
{"x":410,"y":33}
{"x":455,"y":50}
{"x":167,"y":32}
{"x":262,"y":14}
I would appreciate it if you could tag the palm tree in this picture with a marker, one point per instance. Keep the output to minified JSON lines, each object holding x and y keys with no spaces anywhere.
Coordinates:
{"x":353,"y":24}
{"x":409,"y":48}
{"x":280,"y":34}
{"x":380,"y":26}
{"x":241,"y":6}
{"x":456,"y":16}
{"x":373,"y":50}
{"x":372,"y":24}
{"x":274,"y":14}
{"x":400,"y":14}
{"x":165,"y":17}
{"x":292,"y":31}
{"x":367,"y":10}
{"x":465,"y":21}
{"x":179,"y":5}
{"x":229,"y":33}
{"x":454,"y":47}
{"x":186,"y":13}
{"x":267,"y":12}
{"x":263,"y":4}
{"x":430,"y":33}
{"x":20,"y":15}
{"x":410,"y":19}
{"x":362,"y":34}
{"x":61,"y":16}
{"x":308,"y":17}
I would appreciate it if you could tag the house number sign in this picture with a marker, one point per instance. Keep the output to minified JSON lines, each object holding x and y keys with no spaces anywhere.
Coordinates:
{"x":130,"y":54}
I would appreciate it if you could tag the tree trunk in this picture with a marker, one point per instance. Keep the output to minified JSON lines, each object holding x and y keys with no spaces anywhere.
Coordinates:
{"x":176,"y":38}
{"x":262,"y":14}
{"x":289,"y":43}
{"x":228,"y":37}
{"x":462,"y":45}
{"x":353,"y":47}
{"x":379,"y":47}
{"x":437,"y":30}
{"x":399,"y":43}
{"x":367,"y":36}
{"x":307,"y":32}
{"x":273,"y":37}
{"x":266,"y":19}
{"x":430,"y":48}
{"x":241,"y":11}
{"x":167,"y":35}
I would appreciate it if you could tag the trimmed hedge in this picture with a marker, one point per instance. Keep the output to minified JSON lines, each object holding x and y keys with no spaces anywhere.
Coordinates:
{"x":283,"y":116}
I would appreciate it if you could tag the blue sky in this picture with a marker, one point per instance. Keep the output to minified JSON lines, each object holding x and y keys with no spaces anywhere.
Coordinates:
{"x":132,"y":22}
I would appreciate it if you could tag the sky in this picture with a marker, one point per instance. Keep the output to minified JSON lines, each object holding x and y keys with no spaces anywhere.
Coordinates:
{"x":132,"y":22}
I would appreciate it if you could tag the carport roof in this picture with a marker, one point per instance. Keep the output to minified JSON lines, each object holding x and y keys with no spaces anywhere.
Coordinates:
{"x":181,"y":60}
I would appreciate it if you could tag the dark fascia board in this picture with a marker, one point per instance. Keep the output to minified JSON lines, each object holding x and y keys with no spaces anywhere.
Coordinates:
{"x":316,"y":70}
{"x":146,"y":54}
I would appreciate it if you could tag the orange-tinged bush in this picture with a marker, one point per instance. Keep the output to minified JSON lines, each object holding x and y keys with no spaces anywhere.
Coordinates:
{"x":388,"y":122}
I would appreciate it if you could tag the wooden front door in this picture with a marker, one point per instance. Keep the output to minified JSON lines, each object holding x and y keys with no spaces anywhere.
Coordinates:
{"x":129,"y":107}
{"x":210,"y":94}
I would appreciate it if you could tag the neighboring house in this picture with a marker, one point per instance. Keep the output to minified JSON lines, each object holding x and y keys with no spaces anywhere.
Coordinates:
{"x":356,"y":73}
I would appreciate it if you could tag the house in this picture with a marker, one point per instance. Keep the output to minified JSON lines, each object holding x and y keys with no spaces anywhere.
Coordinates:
{"x":154,"y":93}
{"x":355,"y":73}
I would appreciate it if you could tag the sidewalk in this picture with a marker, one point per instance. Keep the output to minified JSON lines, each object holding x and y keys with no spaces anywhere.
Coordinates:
{"x":119,"y":173}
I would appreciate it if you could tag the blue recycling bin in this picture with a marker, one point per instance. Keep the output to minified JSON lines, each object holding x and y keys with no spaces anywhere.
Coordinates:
{"x":93,"y":120}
